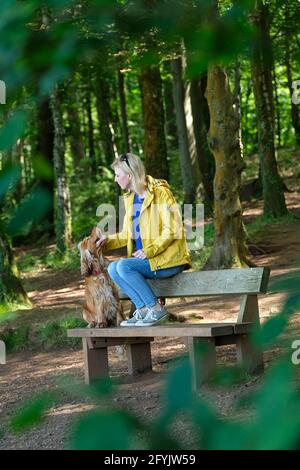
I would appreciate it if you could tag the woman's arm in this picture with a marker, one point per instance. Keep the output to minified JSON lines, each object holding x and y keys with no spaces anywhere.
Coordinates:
{"x":172,"y":226}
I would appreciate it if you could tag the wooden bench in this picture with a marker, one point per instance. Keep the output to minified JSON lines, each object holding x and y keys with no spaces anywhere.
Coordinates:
{"x":201,"y":338}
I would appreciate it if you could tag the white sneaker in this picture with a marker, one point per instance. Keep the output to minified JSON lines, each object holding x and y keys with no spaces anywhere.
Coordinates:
{"x":138,"y":315}
{"x":153,"y":317}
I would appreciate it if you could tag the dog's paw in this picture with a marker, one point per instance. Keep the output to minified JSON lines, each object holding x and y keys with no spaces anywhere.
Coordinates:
{"x":93,"y":324}
{"x":102,"y":324}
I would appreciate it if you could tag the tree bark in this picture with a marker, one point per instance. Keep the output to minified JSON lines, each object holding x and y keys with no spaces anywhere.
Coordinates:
{"x":294,"y":107}
{"x":155,"y":147}
{"x":229,"y":248}
{"x":184,"y":151}
{"x":172,"y":136}
{"x":104,"y":117}
{"x":75,"y":134}
{"x":277,"y":106}
{"x":44,"y":147}
{"x":123,"y":106}
{"x":274,"y":202}
{"x":204,"y":156}
{"x":63,"y":230}
{"x":91,"y":142}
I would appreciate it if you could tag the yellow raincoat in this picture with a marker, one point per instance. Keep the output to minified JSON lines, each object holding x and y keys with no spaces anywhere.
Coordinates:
{"x":161,"y":228}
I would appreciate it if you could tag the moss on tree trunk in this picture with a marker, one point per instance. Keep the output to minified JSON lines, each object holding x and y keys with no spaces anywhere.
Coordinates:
{"x":224,"y":140}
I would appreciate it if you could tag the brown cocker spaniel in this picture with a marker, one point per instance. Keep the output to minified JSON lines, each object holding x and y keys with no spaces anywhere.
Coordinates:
{"x":103,"y":307}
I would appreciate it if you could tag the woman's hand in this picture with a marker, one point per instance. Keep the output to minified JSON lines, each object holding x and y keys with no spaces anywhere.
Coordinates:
{"x":101,"y":241}
{"x":139,"y":254}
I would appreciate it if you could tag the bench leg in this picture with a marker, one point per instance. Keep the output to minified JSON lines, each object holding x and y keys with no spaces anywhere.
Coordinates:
{"x":202,"y":352}
{"x":248,"y":356}
{"x":139,"y":357}
{"x":95,"y":362}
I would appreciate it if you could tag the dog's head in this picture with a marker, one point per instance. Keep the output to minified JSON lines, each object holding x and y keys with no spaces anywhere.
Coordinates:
{"x":90,"y":249}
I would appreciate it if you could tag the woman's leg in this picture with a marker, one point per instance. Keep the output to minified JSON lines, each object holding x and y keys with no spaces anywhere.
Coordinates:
{"x":124,"y":285}
{"x":134,"y":272}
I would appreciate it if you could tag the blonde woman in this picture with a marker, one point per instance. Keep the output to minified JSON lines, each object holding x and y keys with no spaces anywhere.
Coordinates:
{"x":154,"y":235}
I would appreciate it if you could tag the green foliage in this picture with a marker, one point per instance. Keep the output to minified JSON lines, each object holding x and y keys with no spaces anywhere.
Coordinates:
{"x":53,"y":334}
{"x":200,"y":257}
{"x":32,"y":413}
{"x":86,"y":197}
{"x":16,"y":339}
{"x":50,"y":335}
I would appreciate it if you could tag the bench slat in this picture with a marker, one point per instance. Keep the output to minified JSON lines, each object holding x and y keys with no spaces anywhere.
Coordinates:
{"x":200,"y":330}
{"x":225,"y":281}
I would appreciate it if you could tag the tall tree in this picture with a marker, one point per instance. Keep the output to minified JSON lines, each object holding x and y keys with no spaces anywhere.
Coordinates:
{"x":204,"y":156}
{"x":184,"y":148}
{"x":44,"y":148}
{"x":224,"y":140}
{"x":104,"y":116}
{"x":75,"y":133}
{"x":289,"y":74}
{"x":63,"y":229}
{"x":123,"y":107}
{"x":91,"y":140}
{"x":274,"y":202}
{"x":171,"y":128}
{"x":155,"y":146}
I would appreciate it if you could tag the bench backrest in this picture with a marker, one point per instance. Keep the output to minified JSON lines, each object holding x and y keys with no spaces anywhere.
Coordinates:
{"x":226,"y":281}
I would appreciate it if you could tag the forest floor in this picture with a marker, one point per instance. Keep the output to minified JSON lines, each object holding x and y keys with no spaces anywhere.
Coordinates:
{"x":55,"y":294}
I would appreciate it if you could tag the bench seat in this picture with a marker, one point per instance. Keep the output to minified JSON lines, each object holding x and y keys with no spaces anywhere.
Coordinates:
{"x":201,"y":339}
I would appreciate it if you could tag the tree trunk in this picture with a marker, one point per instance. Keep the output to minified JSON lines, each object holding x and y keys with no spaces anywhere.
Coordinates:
{"x":92,"y":156}
{"x":274,"y":202}
{"x":277,"y":107}
{"x":104,"y":117}
{"x":172,"y":136}
{"x":75,"y":134}
{"x":224,"y":140}
{"x":44,"y":147}
{"x":11,"y":289}
{"x":204,"y":156}
{"x":155,"y":147}
{"x":294,"y":107}
{"x":123,"y":106}
{"x":184,"y":151}
{"x":63,"y":207}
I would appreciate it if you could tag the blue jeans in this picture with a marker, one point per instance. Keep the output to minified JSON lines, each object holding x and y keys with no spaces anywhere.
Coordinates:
{"x":130,"y":275}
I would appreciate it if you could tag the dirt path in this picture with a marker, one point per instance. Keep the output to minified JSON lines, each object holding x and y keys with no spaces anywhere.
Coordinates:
{"x":55,"y":294}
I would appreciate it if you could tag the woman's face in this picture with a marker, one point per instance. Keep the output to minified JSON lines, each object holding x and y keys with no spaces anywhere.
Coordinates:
{"x":123,"y":179}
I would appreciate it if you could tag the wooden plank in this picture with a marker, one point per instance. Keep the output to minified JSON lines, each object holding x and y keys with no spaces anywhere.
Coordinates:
{"x":250,"y":357}
{"x":199,"y":329}
{"x":224,"y":281}
{"x":202,"y":353}
{"x":249,"y":311}
{"x":95,"y":362}
{"x":240,"y":328}
{"x":107,"y":342}
{"x":139,"y":357}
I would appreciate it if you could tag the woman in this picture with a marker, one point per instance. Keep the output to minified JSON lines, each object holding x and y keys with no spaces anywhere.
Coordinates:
{"x":154,"y":235}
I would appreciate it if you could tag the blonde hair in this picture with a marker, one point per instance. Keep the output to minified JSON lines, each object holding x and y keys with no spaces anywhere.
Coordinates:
{"x":132,"y":165}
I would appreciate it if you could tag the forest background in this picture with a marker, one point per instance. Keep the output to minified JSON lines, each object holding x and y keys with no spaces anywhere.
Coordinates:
{"x":206,"y":92}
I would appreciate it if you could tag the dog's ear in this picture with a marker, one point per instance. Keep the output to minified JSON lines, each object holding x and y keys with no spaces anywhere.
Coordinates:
{"x":86,"y":259}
